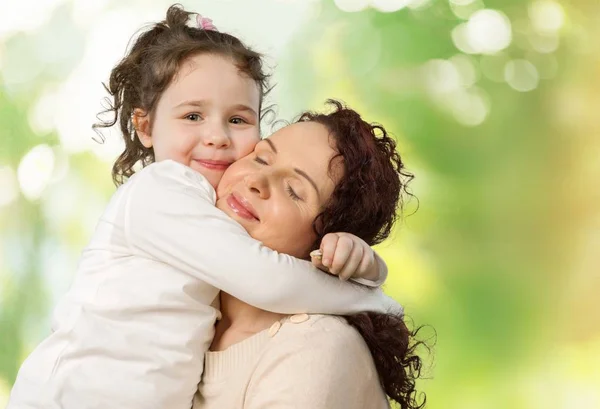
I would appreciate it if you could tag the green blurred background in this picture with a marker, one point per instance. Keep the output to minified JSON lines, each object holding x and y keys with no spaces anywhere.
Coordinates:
{"x":495,"y":107}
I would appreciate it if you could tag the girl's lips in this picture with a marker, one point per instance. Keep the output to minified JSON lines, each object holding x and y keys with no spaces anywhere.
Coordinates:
{"x":213,"y":164}
{"x":241,"y":207}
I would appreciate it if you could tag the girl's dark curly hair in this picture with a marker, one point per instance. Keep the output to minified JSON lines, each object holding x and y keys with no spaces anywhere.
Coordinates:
{"x":365,"y":203}
{"x":148,"y":68}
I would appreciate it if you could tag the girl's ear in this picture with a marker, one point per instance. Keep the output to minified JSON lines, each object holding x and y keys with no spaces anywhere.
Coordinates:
{"x":141,"y":124}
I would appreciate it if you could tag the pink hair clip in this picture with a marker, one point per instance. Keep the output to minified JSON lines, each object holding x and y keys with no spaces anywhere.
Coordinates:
{"x":205,"y":23}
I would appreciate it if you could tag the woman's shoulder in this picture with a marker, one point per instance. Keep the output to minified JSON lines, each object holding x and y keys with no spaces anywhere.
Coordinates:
{"x":325,"y":333}
{"x":315,"y":323}
{"x":322,"y":354}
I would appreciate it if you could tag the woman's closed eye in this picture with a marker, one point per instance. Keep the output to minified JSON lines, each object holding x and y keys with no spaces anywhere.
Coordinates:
{"x":288,"y":188}
{"x":292,"y":193}
{"x":261,"y":161}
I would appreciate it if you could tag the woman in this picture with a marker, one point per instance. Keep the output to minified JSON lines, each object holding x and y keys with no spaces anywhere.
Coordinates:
{"x":323,"y":174}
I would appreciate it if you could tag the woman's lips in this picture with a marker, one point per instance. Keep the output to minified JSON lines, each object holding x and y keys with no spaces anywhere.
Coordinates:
{"x":213,"y":164}
{"x":241,"y":207}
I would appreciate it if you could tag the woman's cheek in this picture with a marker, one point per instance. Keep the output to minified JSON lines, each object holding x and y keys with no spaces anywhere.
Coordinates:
{"x":290,"y":217}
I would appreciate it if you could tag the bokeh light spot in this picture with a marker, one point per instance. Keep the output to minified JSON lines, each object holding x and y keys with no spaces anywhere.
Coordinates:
{"x":489,"y":31}
{"x":521,"y":75}
{"x":546,"y":16}
{"x":389,"y":6}
{"x":17,"y":16}
{"x":351,"y":6}
{"x":8,"y":186}
{"x":35,"y":171}
{"x":466,"y":9}
{"x":471,"y":107}
{"x":544,"y":43}
{"x":461,"y":40}
{"x":441,"y":77}
{"x":461,"y":2}
{"x":469,"y":73}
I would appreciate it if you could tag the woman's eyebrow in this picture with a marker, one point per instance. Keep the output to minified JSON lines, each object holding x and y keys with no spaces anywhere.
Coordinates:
{"x":271,"y":144}
{"x":312,"y":182}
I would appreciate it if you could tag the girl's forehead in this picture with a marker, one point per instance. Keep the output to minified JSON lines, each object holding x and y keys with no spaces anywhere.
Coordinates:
{"x":212,"y":77}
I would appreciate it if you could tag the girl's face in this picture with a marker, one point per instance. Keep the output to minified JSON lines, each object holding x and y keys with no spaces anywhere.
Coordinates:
{"x":207,"y":118}
{"x":276,"y":192}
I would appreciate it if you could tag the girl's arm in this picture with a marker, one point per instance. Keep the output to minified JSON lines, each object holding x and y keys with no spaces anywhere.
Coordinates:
{"x":170,"y":217}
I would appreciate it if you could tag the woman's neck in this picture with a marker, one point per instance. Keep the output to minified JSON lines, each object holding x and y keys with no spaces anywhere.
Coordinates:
{"x":239,"y":321}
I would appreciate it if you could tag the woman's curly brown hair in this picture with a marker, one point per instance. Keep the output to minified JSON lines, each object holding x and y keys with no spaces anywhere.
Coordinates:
{"x":366,"y":202}
{"x":374,"y":185}
{"x":141,"y":77}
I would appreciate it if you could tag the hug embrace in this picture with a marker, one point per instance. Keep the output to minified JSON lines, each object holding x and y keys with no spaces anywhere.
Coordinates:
{"x":230,"y":271}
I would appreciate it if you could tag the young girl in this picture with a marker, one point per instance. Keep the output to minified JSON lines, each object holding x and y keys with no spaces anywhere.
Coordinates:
{"x":132,"y":331}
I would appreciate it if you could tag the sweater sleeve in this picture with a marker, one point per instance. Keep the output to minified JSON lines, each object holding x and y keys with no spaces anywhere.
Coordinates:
{"x":170,"y":217}
{"x":320,"y":369}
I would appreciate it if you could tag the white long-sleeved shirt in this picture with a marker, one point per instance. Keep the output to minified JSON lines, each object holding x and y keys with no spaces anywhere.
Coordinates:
{"x":132,"y":331}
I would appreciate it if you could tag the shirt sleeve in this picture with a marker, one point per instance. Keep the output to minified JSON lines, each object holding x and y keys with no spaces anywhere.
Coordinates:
{"x":170,"y":217}
{"x":321,"y":369}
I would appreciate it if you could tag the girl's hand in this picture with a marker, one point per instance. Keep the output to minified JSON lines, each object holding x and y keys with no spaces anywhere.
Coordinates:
{"x":347,"y":256}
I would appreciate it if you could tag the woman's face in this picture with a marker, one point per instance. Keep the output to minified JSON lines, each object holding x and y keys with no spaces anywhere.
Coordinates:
{"x":278,"y":190}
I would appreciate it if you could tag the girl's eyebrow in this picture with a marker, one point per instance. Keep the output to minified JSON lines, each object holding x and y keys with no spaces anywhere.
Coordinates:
{"x":194,"y":103}
{"x":242,"y":107}
{"x":202,"y":104}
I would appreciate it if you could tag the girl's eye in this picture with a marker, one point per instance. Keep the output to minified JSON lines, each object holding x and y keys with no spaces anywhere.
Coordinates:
{"x":259,"y":160}
{"x":238,"y":121}
{"x":193,"y":117}
{"x":292,"y":194}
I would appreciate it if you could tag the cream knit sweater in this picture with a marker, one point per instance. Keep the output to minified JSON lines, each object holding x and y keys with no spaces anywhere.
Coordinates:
{"x":303,"y":361}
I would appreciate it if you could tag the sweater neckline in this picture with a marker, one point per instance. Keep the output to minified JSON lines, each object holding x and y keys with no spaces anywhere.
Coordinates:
{"x":220,"y":364}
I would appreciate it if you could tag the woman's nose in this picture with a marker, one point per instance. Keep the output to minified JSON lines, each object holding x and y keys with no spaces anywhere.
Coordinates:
{"x":258,"y":184}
